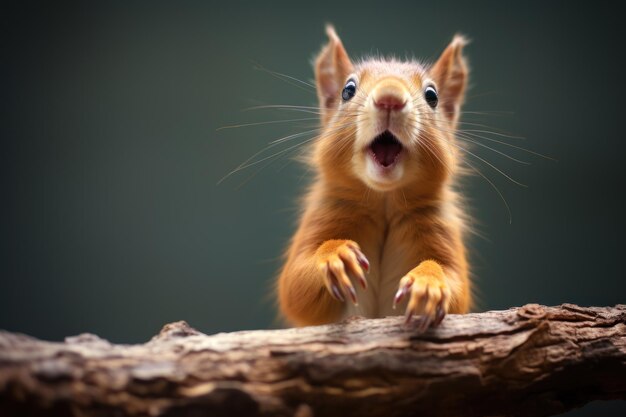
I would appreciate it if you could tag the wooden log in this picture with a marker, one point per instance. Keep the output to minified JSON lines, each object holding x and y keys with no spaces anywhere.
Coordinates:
{"x":531,"y":361}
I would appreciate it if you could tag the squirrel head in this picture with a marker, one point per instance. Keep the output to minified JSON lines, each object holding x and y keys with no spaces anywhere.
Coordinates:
{"x":387,"y":123}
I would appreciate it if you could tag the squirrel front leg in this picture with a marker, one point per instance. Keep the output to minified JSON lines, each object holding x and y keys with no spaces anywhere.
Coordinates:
{"x":320,"y":272}
{"x":438,"y":284}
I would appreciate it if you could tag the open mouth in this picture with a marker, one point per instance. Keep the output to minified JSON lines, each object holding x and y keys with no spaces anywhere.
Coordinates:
{"x":385,"y":149}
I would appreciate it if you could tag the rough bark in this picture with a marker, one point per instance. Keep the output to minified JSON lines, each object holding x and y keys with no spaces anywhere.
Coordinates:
{"x":531,"y":361}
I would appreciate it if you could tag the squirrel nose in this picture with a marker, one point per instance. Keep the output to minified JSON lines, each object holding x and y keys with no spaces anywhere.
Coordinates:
{"x":390,"y":94}
{"x":390,"y":102}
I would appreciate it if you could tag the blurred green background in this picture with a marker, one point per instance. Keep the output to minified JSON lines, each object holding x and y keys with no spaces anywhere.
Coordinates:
{"x":112,"y":220}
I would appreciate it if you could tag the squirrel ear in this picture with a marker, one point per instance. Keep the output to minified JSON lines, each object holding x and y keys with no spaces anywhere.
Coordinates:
{"x":450,"y":73}
{"x":332,"y":66}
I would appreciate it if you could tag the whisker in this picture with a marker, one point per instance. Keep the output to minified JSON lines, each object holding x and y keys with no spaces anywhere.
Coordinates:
{"x":484,"y":94}
{"x":255,"y":173}
{"x":310,"y":109}
{"x":271,"y":145}
{"x":475,"y":136}
{"x":491,"y":165}
{"x":248,"y":162}
{"x":459,"y":136}
{"x":242,"y":167}
{"x":462,"y":122}
{"x":514,"y":146}
{"x":487,"y":162}
{"x":476,"y":170}
{"x":289,"y":137}
{"x":493,"y":133}
{"x":334,"y":129}
{"x":265,"y":123}
{"x":282,"y":76}
{"x":264,"y":166}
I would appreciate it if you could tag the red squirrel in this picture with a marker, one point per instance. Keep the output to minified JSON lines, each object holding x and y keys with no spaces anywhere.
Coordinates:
{"x":381,"y":231}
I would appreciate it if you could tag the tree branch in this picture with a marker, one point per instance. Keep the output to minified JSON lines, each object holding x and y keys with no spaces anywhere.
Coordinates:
{"x":531,"y":361}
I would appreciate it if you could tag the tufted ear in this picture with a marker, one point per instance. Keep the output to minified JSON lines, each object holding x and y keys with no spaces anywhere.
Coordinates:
{"x":450,"y":73}
{"x":332,"y":67}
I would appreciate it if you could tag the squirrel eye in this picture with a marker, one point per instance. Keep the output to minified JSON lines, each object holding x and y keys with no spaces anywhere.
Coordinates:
{"x":431,"y":97}
{"x":349,"y":90}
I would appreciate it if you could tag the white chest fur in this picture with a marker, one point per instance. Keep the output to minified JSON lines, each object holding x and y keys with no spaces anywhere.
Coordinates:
{"x":385,"y":273}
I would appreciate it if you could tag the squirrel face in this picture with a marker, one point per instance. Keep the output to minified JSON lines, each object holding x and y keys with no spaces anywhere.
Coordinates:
{"x":387,"y":123}
{"x":391,"y":121}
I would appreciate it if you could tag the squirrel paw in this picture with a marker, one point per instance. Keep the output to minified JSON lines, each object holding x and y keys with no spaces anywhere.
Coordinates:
{"x":429,"y":295}
{"x":338,"y":261}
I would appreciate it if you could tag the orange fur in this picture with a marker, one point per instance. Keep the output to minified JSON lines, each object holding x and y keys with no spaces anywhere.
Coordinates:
{"x":405,"y":220}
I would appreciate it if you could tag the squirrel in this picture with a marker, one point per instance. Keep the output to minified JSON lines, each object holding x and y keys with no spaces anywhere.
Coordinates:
{"x":382,"y":229}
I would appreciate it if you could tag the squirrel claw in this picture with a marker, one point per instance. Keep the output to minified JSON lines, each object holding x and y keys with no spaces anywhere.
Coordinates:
{"x":337,"y":293}
{"x":341,"y":263}
{"x":429,"y":296}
